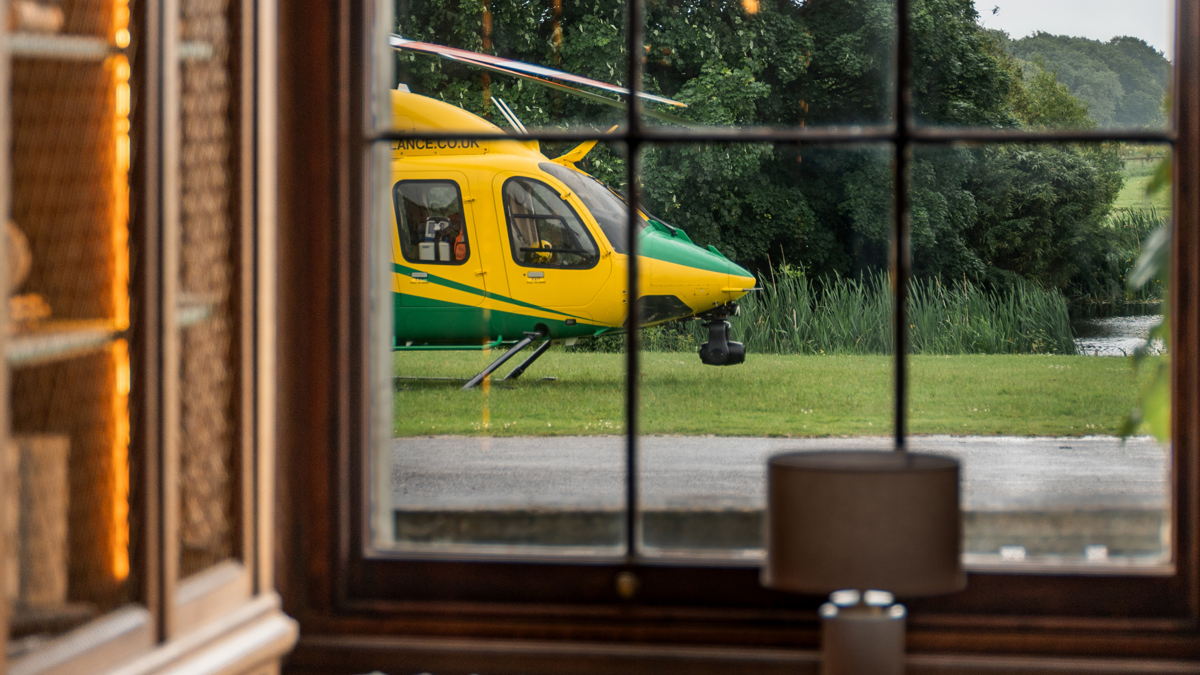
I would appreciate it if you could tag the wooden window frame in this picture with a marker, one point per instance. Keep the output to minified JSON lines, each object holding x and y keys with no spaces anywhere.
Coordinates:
{"x":393,"y":613}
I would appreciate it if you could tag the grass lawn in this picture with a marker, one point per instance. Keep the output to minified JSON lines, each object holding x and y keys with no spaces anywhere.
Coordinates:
{"x":769,"y":395}
{"x":1133,"y":195}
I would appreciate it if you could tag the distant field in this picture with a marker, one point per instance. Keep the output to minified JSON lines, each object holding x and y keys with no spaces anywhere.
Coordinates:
{"x":771,"y":395}
{"x":1133,"y":195}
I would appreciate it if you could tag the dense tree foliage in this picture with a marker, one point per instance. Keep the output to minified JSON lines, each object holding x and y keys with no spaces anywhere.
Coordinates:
{"x":986,"y":214}
{"x":1122,"y":81}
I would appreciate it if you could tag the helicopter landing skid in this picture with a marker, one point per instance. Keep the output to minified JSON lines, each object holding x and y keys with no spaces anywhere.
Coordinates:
{"x":524,"y":342}
{"x":520,"y":370}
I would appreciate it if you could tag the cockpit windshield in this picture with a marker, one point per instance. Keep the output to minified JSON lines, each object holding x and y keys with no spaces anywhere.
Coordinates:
{"x":607,"y":207}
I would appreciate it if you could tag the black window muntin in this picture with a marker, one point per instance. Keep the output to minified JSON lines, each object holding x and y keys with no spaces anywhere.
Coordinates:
{"x":409,"y":247}
{"x":514,"y":248}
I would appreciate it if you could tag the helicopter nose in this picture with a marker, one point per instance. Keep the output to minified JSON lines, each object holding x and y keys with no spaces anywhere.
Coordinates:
{"x":739,"y":283}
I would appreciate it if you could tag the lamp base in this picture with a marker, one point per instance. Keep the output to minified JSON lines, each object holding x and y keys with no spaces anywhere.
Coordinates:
{"x":862,"y":639}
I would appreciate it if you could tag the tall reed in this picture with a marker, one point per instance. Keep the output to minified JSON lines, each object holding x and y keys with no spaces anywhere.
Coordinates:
{"x":793,"y":315}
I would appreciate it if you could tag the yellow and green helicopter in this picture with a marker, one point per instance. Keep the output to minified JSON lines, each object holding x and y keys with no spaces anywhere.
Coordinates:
{"x":496,"y":245}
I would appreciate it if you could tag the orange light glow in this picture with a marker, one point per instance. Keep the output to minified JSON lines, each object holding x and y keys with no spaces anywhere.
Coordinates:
{"x":120,"y":461}
{"x":751,"y":6}
{"x":121,"y":23}
{"x":120,"y":188}
{"x":120,"y":293}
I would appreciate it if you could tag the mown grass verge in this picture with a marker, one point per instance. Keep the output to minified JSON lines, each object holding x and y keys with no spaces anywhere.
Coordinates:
{"x":769,"y":395}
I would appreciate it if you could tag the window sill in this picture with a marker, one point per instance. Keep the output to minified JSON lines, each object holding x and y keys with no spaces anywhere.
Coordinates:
{"x":256,"y":633}
{"x":116,"y":637}
{"x":320,"y":654}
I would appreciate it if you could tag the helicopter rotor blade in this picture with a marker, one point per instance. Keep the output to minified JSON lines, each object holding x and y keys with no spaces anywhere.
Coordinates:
{"x":513,"y":67}
{"x":587,"y":95}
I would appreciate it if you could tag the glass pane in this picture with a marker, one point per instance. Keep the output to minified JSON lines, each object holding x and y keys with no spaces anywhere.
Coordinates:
{"x":1023,"y":325}
{"x":68,"y":461}
{"x":1043,"y":64}
{"x":755,"y":63}
{"x":492,"y":65}
{"x":771,"y":62}
{"x":809,"y":230}
{"x":208,"y":418}
{"x":493,"y":255}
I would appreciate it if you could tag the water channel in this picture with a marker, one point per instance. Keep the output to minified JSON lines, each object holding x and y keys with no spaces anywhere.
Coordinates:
{"x":1114,"y":335}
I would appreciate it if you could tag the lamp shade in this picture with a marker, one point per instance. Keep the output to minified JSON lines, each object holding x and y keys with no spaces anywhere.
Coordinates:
{"x":863,"y":520}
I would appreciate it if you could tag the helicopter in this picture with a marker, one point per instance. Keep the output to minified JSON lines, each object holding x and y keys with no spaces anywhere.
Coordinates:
{"x":495,"y":245}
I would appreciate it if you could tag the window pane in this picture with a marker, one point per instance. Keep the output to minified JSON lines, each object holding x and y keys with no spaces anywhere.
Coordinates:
{"x":809,"y":229}
{"x":771,"y":62}
{"x":209,"y":420}
{"x":754,"y":63}
{"x":498,"y":468}
{"x":1043,"y":64}
{"x":1023,"y":326}
{"x":69,"y":462}
{"x":493,"y":64}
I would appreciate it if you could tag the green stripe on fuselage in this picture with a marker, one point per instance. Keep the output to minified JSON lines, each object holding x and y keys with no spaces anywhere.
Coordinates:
{"x":654,"y":243}
{"x":426,"y":321}
{"x":434,"y":279}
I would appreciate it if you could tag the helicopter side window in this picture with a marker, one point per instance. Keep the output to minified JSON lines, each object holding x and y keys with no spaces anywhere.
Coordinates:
{"x":429,"y":215}
{"x":544,"y":230}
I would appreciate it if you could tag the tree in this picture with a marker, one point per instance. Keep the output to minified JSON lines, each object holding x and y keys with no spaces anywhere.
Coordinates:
{"x":1040,"y":101}
{"x":1040,"y":214}
{"x":1122,"y":81}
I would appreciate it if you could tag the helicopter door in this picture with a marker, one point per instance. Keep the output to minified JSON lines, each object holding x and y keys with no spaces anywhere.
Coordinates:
{"x":554,"y":261}
{"x":436,"y":266}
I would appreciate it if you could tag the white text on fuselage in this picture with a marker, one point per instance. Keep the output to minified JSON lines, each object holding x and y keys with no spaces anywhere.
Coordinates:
{"x":433,"y":145}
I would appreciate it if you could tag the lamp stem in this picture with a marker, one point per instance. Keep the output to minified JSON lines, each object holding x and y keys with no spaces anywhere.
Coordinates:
{"x":862,"y":639}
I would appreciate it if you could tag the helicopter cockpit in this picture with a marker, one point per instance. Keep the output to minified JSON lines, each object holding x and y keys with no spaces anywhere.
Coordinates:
{"x":545,"y":231}
{"x":608,"y":208}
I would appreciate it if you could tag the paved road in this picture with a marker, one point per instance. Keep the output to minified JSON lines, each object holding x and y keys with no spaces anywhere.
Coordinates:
{"x":999,"y":472}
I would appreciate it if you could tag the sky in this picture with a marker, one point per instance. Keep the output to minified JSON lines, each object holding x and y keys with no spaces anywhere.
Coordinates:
{"x":1150,"y":20}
